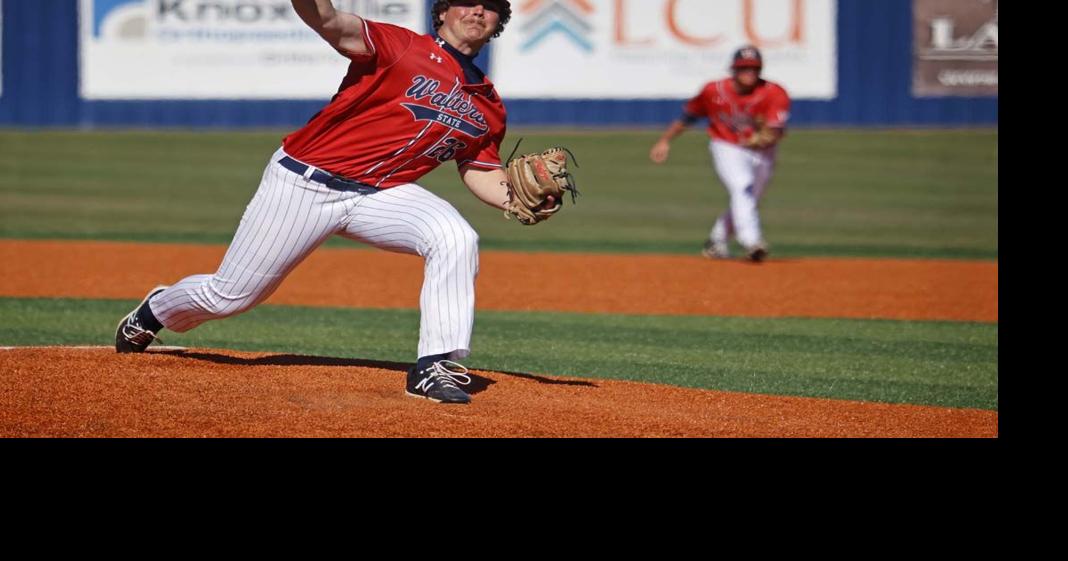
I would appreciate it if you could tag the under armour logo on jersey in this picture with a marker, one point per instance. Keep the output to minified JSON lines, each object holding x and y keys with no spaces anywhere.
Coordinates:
{"x":435,"y":58}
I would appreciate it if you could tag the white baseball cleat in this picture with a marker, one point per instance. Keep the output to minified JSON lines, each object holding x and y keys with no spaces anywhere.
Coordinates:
{"x":714,"y":250}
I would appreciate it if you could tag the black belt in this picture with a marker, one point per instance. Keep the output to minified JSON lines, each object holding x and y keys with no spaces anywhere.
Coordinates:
{"x":335,"y":182}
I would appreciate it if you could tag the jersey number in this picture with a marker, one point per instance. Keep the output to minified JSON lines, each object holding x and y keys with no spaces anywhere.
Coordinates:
{"x":446,"y":150}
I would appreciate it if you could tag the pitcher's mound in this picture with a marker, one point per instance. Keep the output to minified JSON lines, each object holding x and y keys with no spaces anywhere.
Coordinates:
{"x":175,"y":392}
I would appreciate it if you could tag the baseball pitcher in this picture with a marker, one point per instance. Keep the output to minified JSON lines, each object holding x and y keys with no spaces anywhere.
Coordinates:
{"x":407,"y":104}
{"x":746,"y":120}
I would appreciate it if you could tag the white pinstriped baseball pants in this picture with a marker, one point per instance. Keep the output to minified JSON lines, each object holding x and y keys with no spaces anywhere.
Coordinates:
{"x":745,"y":173}
{"x":290,"y":216}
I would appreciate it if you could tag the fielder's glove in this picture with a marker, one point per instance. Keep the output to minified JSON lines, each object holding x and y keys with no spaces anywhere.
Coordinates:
{"x":532,"y":178}
{"x":762,"y":136}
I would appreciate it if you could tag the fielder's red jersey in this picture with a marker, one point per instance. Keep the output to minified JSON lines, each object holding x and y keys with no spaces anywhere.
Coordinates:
{"x":402,"y":110}
{"x":730,"y":114}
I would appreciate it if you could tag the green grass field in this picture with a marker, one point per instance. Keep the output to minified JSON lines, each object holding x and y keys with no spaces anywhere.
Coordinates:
{"x":835,"y":193}
{"x":911,"y":194}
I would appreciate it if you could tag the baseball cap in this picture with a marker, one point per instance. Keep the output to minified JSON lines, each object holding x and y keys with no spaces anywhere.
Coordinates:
{"x":502,"y":7}
{"x":499,"y":4}
{"x":747,"y":57}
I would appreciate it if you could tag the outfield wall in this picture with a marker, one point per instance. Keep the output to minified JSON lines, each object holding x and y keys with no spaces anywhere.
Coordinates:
{"x":585,"y":62}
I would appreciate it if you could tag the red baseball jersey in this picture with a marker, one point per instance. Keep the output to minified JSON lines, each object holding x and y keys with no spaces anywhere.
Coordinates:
{"x":730,"y":114}
{"x":402,"y":110}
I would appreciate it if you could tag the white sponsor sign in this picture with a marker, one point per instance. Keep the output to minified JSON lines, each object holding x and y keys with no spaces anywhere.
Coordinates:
{"x":955,"y":48}
{"x":661,"y":48}
{"x":216,"y":49}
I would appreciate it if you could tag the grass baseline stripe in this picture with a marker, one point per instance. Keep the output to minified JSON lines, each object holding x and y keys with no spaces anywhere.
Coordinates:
{"x":926,"y":363}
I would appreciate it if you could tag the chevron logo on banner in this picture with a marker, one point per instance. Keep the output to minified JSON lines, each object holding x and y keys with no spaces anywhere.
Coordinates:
{"x":556,"y":17}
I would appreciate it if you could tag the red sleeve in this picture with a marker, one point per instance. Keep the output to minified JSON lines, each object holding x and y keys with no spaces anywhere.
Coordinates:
{"x":489,"y":157}
{"x":386,"y":42}
{"x":777,"y":112}
{"x":697,"y":107}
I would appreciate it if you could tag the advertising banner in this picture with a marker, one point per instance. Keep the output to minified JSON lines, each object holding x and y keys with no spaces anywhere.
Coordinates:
{"x":661,"y":48}
{"x":956,"y":48}
{"x":216,"y":49}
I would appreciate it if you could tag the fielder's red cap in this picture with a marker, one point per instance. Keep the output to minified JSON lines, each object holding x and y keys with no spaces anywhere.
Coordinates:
{"x":747,"y":57}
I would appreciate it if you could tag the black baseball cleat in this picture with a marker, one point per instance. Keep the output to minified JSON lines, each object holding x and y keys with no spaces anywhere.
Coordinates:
{"x":757,"y":253}
{"x":437,"y":382}
{"x":130,"y":335}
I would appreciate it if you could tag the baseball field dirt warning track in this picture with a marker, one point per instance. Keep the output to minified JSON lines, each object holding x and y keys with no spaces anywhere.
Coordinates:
{"x":63,"y":391}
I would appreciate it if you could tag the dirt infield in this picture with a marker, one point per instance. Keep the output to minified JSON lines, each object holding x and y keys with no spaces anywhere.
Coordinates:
{"x":54,"y":392}
{"x":209,"y":393}
{"x":633,"y":284}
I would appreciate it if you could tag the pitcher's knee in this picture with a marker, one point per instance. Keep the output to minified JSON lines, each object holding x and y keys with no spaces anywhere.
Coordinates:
{"x":459,"y":239}
{"x":220,"y":299}
{"x":468,"y":238}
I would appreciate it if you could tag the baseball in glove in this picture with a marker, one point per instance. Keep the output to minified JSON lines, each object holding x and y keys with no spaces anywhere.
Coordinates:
{"x":762,"y":137}
{"x":532,"y":178}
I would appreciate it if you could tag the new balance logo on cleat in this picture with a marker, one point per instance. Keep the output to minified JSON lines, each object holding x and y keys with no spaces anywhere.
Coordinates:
{"x":437,"y":382}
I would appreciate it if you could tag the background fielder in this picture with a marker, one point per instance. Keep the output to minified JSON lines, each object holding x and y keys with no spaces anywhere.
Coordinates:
{"x":407,"y":104}
{"x":746,"y":120}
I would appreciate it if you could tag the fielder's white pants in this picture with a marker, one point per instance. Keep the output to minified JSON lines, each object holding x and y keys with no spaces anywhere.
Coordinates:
{"x":745,"y":173}
{"x":290,"y":216}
